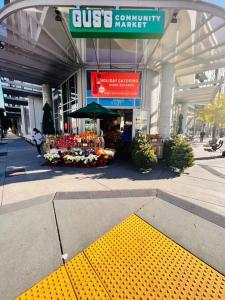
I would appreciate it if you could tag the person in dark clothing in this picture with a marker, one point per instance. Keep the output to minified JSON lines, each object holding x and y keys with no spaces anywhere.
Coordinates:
{"x":202,"y":135}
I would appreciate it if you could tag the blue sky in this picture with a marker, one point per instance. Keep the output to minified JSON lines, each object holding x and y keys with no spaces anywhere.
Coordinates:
{"x":1,"y":3}
{"x":218,"y":2}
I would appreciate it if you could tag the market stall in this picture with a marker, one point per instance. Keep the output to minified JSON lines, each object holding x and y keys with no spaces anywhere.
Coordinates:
{"x":83,"y":150}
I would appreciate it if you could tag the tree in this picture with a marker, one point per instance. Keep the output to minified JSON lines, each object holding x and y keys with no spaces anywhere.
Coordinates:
{"x":182,"y":156}
{"x":47,"y":121}
{"x":214,"y":113}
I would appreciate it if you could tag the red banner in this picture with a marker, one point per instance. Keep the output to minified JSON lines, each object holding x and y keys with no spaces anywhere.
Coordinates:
{"x":115,"y":85}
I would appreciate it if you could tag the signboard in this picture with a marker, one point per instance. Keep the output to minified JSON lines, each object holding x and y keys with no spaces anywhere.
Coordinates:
{"x":124,"y":24}
{"x":118,"y":103}
{"x":115,"y":85}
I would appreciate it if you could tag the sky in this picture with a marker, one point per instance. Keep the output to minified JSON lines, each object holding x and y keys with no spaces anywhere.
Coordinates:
{"x":1,"y":3}
{"x":217,"y":2}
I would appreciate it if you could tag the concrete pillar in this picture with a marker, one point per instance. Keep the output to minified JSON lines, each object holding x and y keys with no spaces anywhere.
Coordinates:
{"x":47,"y":94}
{"x":184,"y":112}
{"x":151,"y":96}
{"x":23,"y":122}
{"x":81,"y":91}
{"x":35,"y":112}
{"x":154,"y":104}
{"x":167,"y":100}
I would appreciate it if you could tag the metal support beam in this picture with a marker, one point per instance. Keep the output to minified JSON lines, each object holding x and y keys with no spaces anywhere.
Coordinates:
{"x":194,"y":43}
{"x":51,"y":36}
{"x":42,"y":20}
{"x":170,"y":54}
{"x":175,"y":4}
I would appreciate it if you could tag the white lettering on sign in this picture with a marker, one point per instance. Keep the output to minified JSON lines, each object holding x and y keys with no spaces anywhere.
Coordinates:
{"x":104,"y":19}
{"x":97,"y":19}
{"x":92,"y":18}
{"x":77,"y":18}
{"x":108,"y":20}
{"x":86,"y":18}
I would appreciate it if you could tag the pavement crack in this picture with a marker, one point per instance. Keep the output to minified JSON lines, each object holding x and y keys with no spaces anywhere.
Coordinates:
{"x":58,"y":233}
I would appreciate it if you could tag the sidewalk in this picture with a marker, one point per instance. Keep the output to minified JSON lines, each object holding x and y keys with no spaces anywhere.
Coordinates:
{"x":47,"y":212}
{"x":204,"y":184}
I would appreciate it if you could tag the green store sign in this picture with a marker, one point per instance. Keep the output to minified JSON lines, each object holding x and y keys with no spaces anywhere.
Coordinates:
{"x":124,"y":24}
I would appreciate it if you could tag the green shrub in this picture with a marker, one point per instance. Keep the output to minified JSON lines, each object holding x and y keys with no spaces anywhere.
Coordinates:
{"x":182,"y":156}
{"x":137,"y":142}
{"x":167,"y":150}
{"x":144,"y":157}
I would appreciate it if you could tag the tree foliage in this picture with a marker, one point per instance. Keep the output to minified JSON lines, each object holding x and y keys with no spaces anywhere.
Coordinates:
{"x":182,"y":156}
{"x":143,"y":156}
{"x":214,"y":113}
{"x":47,"y":121}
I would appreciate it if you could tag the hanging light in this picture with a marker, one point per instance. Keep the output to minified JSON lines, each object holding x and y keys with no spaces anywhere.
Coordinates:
{"x":174,"y":18}
{"x":58,"y":16}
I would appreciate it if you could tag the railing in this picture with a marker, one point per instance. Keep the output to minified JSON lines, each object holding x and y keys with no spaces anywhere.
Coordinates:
{"x":21,"y":85}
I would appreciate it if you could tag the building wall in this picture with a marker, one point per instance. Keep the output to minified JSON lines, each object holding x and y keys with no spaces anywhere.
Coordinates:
{"x":35,"y":113}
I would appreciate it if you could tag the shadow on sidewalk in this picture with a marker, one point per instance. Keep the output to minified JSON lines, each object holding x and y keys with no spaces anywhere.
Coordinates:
{"x":23,"y":166}
{"x":117,"y":170}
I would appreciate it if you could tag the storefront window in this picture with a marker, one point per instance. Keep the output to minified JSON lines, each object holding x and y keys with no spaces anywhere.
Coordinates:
{"x":69,"y":104}
{"x":141,"y":124}
{"x":114,"y":51}
{"x":57,"y":109}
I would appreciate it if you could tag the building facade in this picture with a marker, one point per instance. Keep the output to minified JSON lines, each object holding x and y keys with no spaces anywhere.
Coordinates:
{"x":176,"y":72}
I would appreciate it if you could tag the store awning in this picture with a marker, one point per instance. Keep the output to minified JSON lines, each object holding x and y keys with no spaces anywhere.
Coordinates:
{"x":41,"y":49}
{"x":197,"y":94}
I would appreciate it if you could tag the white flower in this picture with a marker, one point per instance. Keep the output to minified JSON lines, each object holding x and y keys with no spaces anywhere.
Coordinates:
{"x":54,"y":151}
{"x":52,"y":157}
{"x":69,"y":158}
{"x":109,"y":152}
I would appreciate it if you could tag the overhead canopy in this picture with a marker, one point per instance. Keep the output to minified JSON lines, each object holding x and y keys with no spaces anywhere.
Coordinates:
{"x":193,"y":94}
{"x":40,"y":49}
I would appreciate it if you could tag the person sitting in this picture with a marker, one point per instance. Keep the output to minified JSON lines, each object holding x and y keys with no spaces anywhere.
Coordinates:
{"x":217,"y":145}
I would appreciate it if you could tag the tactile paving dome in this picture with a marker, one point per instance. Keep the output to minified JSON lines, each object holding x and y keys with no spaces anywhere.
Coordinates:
{"x":133,"y":261}
{"x":54,"y":287}
{"x":84,"y":280}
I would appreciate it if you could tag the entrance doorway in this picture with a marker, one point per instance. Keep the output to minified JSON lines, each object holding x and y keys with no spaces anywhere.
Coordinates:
{"x":118,"y":131}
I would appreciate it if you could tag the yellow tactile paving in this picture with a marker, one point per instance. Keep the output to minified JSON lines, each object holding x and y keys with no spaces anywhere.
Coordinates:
{"x":84,"y":280}
{"x":56,"y":286}
{"x":135,"y":261}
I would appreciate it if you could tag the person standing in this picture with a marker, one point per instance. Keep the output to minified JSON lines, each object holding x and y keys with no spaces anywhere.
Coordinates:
{"x":39,"y":140}
{"x":202,"y":135}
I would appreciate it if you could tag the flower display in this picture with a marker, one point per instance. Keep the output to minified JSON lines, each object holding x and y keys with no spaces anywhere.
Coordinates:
{"x":77,"y":157}
{"x":52,"y":157}
{"x":84,"y":140}
{"x":110,"y":152}
{"x":69,"y":159}
{"x":76,"y":151}
{"x":90,"y":158}
{"x":84,"y":150}
{"x":66,"y":141}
